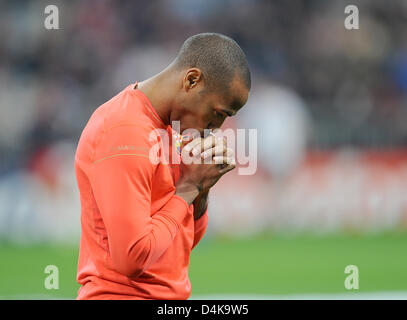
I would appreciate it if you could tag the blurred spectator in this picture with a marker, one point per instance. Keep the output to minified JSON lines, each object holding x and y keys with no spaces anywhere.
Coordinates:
{"x":283,"y":125}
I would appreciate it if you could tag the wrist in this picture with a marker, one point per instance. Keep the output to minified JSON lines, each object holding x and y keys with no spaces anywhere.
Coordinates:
{"x":187,"y":191}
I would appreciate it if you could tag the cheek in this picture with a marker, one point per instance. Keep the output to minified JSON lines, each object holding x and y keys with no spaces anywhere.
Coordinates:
{"x":190,"y":121}
{"x":215,"y":124}
{"x":207,"y":119}
{"x":196,"y":114}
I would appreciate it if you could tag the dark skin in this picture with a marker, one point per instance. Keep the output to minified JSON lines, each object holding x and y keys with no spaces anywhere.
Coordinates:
{"x":183,"y":95}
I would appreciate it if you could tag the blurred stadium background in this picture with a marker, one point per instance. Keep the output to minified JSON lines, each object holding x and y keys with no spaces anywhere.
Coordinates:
{"x":330,"y":106}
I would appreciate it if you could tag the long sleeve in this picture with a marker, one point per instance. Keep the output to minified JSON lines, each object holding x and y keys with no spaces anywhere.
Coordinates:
{"x":200,"y":227}
{"x":122,"y":185}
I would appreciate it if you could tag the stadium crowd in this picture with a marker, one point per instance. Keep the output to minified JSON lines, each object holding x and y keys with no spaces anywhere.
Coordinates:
{"x":352,"y":84}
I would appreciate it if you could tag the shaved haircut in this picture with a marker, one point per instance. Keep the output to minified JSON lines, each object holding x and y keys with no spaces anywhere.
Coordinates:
{"x":219,"y":58}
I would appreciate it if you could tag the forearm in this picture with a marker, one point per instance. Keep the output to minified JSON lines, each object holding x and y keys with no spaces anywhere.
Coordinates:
{"x":201,"y":219}
{"x":200,"y":204}
{"x":136,"y":241}
{"x":158,"y":235}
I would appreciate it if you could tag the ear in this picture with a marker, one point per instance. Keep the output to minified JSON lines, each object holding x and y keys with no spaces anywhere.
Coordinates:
{"x":192,"y":78}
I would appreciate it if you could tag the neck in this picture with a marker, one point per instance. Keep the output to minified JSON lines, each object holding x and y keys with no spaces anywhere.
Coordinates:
{"x":158,"y":90}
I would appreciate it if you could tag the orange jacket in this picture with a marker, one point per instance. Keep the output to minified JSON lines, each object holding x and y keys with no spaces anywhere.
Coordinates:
{"x":137,"y":235}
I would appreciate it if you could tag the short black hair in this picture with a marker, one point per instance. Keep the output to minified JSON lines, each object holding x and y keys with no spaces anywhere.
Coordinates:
{"x":219,"y":58}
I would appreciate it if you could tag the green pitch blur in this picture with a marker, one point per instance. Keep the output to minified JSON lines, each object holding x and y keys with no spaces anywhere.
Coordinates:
{"x":263,"y":265}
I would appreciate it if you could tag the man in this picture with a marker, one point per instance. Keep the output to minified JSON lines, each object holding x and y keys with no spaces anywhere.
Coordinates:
{"x":141,"y":219}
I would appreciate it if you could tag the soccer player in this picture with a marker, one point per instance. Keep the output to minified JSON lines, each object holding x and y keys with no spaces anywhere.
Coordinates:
{"x":141,"y":219}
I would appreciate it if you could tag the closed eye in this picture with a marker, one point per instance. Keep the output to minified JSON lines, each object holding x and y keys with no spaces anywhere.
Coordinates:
{"x":228,"y":113}
{"x":219,"y":114}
